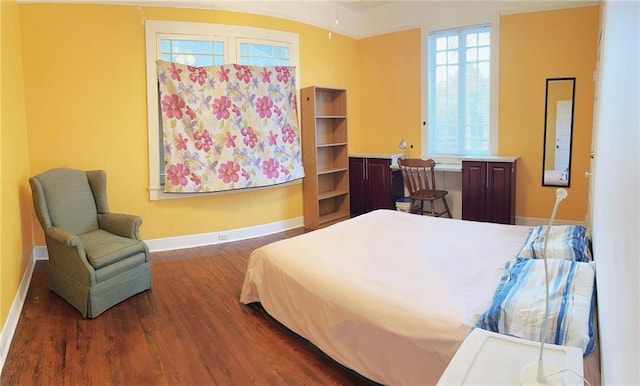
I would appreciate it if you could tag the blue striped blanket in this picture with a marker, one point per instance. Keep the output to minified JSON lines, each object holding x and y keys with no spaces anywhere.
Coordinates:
{"x":518,"y":305}
{"x":569,"y":242}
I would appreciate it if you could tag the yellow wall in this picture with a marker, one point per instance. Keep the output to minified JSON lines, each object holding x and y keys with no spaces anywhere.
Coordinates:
{"x":390,"y":89}
{"x":16,"y":240}
{"x":533,"y":47}
{"x":86,"y":106}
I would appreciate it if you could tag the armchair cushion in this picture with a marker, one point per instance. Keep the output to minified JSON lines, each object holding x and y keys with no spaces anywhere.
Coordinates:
{"x":104,"y":248}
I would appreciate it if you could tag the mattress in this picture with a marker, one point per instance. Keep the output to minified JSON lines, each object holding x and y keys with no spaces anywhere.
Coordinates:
{"x":389,"y":294}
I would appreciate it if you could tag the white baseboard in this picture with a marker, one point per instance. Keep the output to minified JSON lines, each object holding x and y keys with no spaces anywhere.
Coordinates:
{"x":10,"y":325}
{"x":202,"y":239}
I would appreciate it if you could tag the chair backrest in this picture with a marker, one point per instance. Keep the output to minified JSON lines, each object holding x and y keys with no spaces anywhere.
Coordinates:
{"x":418,"y":174}
{"x":64,"y":198}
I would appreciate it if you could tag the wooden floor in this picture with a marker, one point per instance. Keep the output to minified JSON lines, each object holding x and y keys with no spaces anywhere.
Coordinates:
{"x":189,"y":329}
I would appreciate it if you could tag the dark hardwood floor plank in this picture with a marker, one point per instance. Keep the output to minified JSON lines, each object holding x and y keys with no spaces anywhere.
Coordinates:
{"x":189,"y":329}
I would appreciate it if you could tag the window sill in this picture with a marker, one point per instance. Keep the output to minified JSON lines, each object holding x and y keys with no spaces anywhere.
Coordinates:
{"x":157,"y":193}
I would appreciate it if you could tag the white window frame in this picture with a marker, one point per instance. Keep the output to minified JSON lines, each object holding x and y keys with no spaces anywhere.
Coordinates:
{"x":232,"y":36}
{"x":494,"y":87}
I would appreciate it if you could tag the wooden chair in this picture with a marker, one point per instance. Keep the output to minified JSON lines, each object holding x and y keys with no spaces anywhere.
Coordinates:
{"x":419,"y":179}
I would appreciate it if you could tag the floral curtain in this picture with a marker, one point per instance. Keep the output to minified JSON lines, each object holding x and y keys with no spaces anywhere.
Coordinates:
{"x":228,"y":127}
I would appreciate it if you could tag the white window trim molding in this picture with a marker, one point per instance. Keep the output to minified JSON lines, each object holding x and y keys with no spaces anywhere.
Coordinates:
{"x":494,"y":23}
{"x":232,"y":34}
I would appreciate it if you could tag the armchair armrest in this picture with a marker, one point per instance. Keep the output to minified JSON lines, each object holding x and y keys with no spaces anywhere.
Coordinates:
{"x":63,"y":237}
{"x":66,"y":250}
{"x":125,"y":225}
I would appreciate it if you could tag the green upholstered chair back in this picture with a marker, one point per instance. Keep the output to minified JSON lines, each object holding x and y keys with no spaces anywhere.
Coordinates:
{"x":63,"y":198}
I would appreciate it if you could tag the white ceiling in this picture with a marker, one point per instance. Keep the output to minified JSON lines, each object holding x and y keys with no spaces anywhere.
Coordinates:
{"x":361,"y":5}
{"x":361,"y":18}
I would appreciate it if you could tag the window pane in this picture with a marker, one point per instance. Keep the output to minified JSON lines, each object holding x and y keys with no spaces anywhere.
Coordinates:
{"x":183,"y":59}
{"x":472,"y":54}
{"x":194,"y":60}
{"x":452,"y":42}
{"x":192,"y":47}
{"x":263,"y":54}
{"x":218,"y":49}
{"x":484,"y":38}
{"x":483,"y":53}
{"x":441,"y":74}
{"x":459,"y":92}
{"x":452,"y":78}
{"x":472,"y":40}
{"x":192,"y":52}
{"x":485,"y":70}
{"x":452,"y":57}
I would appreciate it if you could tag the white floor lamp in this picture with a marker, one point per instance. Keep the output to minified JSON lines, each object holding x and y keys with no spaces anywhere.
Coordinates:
{"x":537,"y":373}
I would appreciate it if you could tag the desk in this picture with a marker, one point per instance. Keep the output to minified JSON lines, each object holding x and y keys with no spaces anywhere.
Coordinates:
{"x":480,"y":188}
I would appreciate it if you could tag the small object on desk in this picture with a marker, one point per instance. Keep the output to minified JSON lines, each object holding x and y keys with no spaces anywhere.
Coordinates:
{"x":489,"y":358}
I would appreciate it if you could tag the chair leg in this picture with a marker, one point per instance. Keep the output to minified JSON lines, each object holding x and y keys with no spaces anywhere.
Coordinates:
{"x":444,"y":199}
{"x":433,"y":208}
{"x":412,"y":209}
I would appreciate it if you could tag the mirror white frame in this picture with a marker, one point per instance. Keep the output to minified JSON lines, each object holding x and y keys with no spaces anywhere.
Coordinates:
{"x":558,"y":131}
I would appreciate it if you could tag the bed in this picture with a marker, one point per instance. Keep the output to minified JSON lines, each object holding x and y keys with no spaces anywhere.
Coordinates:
{"x":388,"y":294}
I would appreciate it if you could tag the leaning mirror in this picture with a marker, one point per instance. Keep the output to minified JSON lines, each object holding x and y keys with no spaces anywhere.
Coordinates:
{"x":558,"y":128}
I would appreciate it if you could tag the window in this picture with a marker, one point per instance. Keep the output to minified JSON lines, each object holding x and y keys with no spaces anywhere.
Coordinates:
{"x":200,"y":44}
{"x":459,"y":92}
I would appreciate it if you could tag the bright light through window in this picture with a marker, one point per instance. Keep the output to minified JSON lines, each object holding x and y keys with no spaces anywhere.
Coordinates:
{"x":459,"y":79}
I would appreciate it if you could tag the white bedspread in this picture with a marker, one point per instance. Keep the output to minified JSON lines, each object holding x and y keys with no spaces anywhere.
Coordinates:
{"x":388,"y":294}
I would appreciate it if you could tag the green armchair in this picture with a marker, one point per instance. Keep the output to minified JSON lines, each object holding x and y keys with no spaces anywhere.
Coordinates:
{"x":96,"y":258}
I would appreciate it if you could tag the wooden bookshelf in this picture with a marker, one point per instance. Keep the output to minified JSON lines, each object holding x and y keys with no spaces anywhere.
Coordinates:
{"x":325,"y":156}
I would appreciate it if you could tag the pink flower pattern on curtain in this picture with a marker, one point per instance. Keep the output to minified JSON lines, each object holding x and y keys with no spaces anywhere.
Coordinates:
{"x":228,"y":127}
